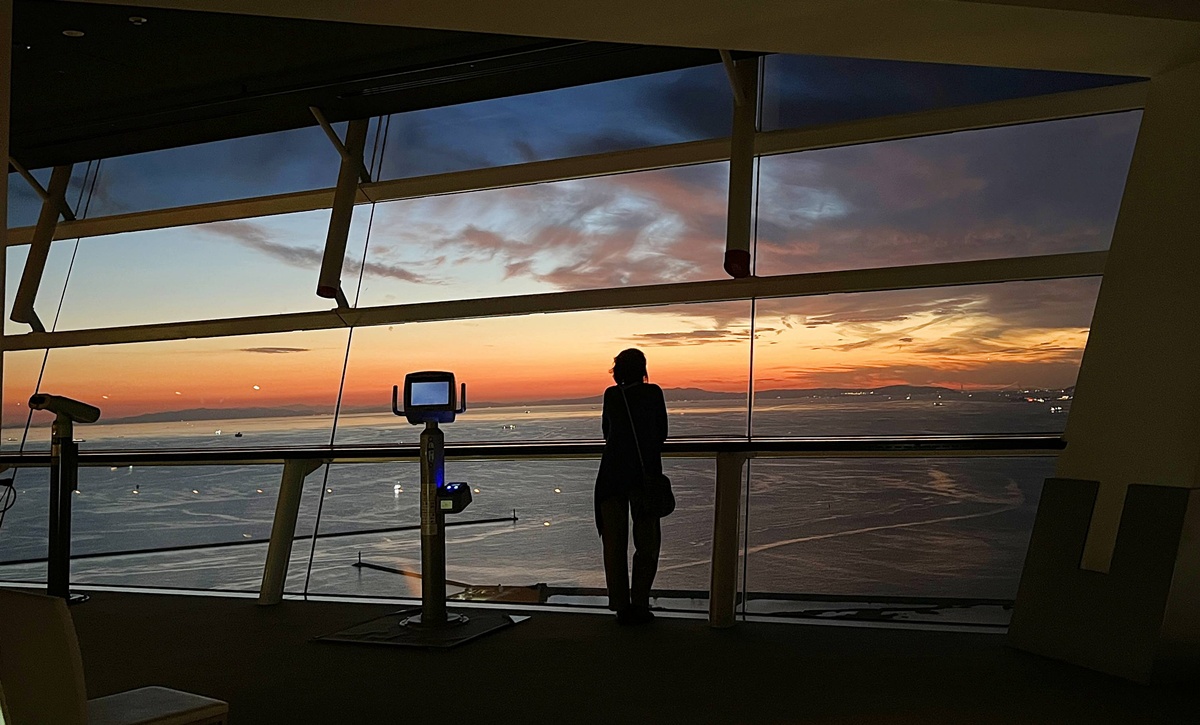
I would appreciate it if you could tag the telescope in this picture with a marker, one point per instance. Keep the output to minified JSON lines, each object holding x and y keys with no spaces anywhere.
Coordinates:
{"x":76,"y":411}
{"x":64,"y":474}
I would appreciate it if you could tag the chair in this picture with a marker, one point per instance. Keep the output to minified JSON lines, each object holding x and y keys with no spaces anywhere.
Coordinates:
{"x":41,"y":674}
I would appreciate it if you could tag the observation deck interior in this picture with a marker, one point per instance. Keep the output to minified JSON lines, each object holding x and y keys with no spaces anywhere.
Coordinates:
{"x":840,"y":229}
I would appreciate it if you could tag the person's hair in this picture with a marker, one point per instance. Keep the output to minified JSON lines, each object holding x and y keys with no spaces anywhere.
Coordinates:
{"x":629,"y":366}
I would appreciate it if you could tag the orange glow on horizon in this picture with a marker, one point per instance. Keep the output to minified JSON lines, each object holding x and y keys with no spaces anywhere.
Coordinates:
{"x":520,"y":360}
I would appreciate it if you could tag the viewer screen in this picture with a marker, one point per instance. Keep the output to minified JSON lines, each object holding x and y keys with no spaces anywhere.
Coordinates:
{"x":435,"y":393}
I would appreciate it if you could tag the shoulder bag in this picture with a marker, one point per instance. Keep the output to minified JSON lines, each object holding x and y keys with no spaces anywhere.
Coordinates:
{"x":654,"y":495}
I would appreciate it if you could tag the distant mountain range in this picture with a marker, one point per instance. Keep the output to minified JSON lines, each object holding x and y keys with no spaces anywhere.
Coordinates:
{"x":672,"y":395}
{"x":221,"y":414}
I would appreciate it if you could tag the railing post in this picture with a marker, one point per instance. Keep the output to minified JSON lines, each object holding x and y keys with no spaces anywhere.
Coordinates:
{"x":283,"y":530}
{"x":722,"y":595}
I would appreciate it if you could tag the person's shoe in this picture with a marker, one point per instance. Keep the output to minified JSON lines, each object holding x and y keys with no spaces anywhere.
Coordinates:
{"x":625,"y":616}
{"x":639,"y":615}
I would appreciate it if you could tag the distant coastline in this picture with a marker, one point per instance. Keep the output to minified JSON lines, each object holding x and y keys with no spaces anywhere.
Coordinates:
{"x":887,"y":392}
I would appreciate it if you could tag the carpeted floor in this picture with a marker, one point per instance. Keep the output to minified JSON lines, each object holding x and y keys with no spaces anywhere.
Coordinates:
{"x":583,"y":668}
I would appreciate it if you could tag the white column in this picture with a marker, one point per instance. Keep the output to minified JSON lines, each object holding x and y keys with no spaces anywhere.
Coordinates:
{"x":283,"y":530}
{"x":722,"y":594}
{"x":1136,"y":413}
{"x":1112,"y":576}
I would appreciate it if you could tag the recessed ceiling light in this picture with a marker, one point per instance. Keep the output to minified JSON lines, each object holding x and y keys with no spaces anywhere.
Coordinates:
{"x":137,"y":20}
{"x":73,"y":33}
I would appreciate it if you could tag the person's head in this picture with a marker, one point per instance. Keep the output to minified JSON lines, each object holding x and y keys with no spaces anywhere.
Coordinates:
{"x":629,"y":366}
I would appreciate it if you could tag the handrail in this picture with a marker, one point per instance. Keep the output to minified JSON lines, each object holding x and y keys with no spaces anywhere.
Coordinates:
{"x":731,"y":455}
{"x":681,"y":447}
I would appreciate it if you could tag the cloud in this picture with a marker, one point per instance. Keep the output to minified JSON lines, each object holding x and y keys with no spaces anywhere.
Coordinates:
{"x":691,"y":338}
{"x":632,"y":229}
{"x":275,"y":350}
{"x":260,"y":238}
{"x":1004,"y":192}
{"x":272,"y":163}
{"x":1049,"y":304}
{"x":973,"y":195}
{"x":695,"y":104}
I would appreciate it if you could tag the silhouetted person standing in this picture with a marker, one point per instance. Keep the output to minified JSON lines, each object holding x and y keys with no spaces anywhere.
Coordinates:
{"x":619,"y":473}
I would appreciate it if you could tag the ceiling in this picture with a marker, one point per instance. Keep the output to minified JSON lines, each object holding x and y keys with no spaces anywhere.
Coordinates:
{"x":140,"y":79}
{"x":186,"y":76}
{"x":1119,"y":37}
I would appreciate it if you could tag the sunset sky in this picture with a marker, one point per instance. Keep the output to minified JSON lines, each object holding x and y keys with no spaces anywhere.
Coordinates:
{"x":1024,"y":190}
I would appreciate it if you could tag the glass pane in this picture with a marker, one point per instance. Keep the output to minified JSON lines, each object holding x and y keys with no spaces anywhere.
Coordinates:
{"x":220,"y":393}
{"x":372,"y":496}
{"x":808,"y":90}
{"x":650,"y":110}
{"x":24,"y":204}
{"x":23,"y":536}
{"x":218,"y":518}
{"x":50,"y":291}
{"x":550,"y":553}
{"x":276,"y":163}
{"x":541,"y":377}
{"x":259,"y":266}
{"x":921,"y":527}
{"x":999,"y":358}
{"x":1042,"y":188}
{"x":630,"y":229}
{"x":21,"y":370}
{"x":139,"y":509}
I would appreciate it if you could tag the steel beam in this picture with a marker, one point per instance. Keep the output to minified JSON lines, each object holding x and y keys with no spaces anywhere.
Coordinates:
{"x":739,"y":218}
{"x":63,"y":207}
{"x":735,"y":83}
{"x":39,"y":251}
{"x":363,"y":174}
{"x":329,"y":284}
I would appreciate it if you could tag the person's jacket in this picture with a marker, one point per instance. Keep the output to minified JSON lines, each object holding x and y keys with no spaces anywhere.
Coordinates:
{"x":619,"y":467}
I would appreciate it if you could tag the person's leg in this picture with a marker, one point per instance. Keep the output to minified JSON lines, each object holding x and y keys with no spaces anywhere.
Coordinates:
{"x":647,"y":539}
{"x":614,"y":532}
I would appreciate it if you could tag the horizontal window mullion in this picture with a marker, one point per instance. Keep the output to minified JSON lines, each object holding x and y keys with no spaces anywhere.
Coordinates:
{"x":1033,"y":109}
{"x":1056,"y":266}
{"x":183,"y":216}
{"x":498,"y":177}
{"x":537,"y":172}
{"x":1108,"y":99}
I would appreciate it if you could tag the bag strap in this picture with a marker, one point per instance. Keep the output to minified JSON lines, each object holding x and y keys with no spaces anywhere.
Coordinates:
{"x":629,"y":412}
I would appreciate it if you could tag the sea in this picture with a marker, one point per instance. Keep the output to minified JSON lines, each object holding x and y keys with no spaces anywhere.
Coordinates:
{"x":864,"y":526}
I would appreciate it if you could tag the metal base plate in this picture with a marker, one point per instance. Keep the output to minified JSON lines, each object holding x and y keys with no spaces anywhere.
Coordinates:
{"x":453,"y":619}
{"x":400,"y":629}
